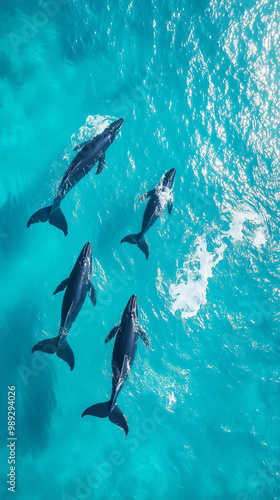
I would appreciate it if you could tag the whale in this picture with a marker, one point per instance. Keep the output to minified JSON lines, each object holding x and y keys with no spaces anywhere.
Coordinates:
{"x":159,"y":198}
{"x":76,"y":287}
{"x":90,"y":152}
{"x":126,"y":333}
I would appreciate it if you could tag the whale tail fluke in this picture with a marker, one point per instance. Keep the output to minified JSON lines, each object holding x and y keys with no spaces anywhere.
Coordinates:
{"x":103,"y":410}
{"x":65,"y":352}
{"x":52,"y":346}
{"x":100,"y":410}
{"x":41,"y":216}
{"x":48,"y":345}
{"x":139,"y":240}
{"x":56,"y":218}
{"x":117,"y":417}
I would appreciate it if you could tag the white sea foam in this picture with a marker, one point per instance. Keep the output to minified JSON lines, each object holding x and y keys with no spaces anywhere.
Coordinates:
{"x":164,"y":196}
{"x":172,"y":400}
{"x":238,"y":220}
{"x":94,"y":125}
{"x":189,"y":291}
{"x":164,"y":193}
{"x":260,"y":237}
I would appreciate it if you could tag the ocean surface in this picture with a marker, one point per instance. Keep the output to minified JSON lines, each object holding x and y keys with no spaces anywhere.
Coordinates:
{"x":198,"y":85}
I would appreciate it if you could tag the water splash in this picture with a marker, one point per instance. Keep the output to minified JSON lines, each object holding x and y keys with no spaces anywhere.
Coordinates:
{"x":239,"y":217}
{"x":94,"y":125}
{"x":189,"y":291}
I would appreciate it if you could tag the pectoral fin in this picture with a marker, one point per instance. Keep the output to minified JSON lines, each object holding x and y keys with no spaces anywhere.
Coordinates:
{"x":101,"y":163}
{"x":141,"y":332}
{"x":169,"y":206}
{"x":147,"y":195}
{"x":112,"y":334}
{"x":92,"y":294}
{"x":62,"y":286}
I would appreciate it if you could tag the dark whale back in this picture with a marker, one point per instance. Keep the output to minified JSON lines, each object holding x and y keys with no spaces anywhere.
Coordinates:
{"x":76,"y":290}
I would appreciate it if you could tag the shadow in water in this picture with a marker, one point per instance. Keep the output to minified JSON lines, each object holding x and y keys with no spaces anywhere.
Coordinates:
{"x":33,"y":378}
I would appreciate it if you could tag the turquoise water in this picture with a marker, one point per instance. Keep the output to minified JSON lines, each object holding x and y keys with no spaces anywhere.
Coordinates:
{"x":198,"y":86}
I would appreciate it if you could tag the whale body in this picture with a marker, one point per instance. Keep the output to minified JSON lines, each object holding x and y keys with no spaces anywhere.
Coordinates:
{"x":125,"y":346}
{"x":90,"y":152}
{"x":78,"y":285}
{"x":159,"y":198}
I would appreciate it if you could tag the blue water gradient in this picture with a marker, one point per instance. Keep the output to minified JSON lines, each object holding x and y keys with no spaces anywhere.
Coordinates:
{"x":198,"y":86}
